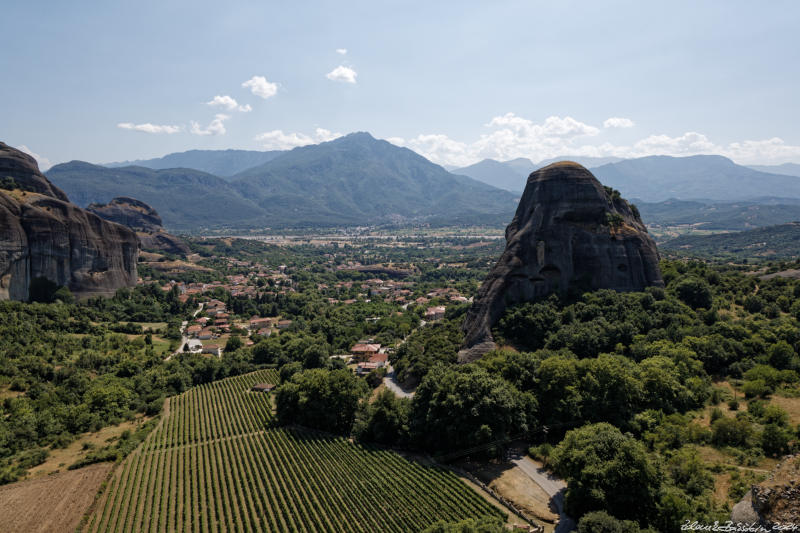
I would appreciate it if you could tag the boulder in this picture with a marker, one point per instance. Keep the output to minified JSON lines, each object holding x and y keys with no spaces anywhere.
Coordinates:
{"x":774,"y":502}
{"x":42,"y":234}
{"x":569,"y":233}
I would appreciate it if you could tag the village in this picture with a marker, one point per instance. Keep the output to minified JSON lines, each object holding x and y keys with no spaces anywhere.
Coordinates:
{"x":214,"y":323}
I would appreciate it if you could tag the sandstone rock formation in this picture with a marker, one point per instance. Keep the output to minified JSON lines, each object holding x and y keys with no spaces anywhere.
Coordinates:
{"x":775,"y":501}
{"x":569,"y":232}
{"x":144,"y":220}
{"x":43,"y":235}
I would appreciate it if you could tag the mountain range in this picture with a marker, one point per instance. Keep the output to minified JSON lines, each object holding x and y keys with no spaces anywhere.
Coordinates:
{"x":512,"y":175}
{"x":727,"y":216}
{"x":353,"y":180}
{"x":711,"y":177}
{"x":788,"y":169}
{"x":222,"y":163}
{"x":357,"y":180}
{"x":774,"y":242}
{"x":658,"y":178}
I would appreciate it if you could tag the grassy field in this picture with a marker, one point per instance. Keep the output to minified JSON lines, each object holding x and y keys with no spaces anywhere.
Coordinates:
{"x":216,"y":464}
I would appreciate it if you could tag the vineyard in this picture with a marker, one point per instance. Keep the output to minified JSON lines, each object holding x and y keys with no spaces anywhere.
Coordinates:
{"x":215,"y":464}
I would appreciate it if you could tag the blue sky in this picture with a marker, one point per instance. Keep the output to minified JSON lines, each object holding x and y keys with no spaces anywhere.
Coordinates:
{"x":456,"y":81}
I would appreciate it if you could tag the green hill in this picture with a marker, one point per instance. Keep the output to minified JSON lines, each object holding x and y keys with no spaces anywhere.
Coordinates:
{"x":186,"y":199}
{"x":497,"y":174}
{"x":720,"y":216}
{"x":773,"y":242}
{"x":359,"y":179}
{"x":353,"y":180}
{"x":708,"y":177}
{"x":223,"y":163}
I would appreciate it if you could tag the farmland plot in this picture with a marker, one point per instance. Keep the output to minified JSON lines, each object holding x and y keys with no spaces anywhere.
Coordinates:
{"x":216,"y":464}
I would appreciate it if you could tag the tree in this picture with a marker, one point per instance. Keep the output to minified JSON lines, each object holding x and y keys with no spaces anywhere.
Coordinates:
{"x":385,"y":420}
{"x":694,"y":292}
{"x":233,"y":344}
{"x":321,"y":399}
{"x":602,"y":522}
{"x":731,"y":432}
{"x":606,"y":470}
{"x":456,"y":408}
{"x":780,"y":354}
{"x":775,"y":440}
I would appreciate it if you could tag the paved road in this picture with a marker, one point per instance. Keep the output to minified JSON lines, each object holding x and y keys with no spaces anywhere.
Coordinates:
{"x":395,"y":387}
{"x":184,"y":338}
{"x":552,"y":485}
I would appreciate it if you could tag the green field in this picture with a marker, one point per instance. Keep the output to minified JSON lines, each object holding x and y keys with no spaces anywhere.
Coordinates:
{"x":215,"y":464}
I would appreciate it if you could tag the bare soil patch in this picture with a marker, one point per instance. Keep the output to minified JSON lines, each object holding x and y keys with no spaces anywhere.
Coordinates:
{"x":50,"y":504}
{"x":514,"y":485}
{"x":60,"y":458}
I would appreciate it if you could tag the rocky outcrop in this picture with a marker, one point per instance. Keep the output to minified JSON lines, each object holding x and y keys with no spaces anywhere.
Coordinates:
{"x":569,"y":233}
{"x":129,"y":212}
{"x":43,"y":235}
{"x":775,"y":501}
{"x":144,"y":220}
{"x":19,"y":170}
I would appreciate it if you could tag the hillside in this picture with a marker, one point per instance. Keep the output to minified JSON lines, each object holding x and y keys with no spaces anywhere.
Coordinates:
{"x":223,"y":163}
{"x":511,"y":175}
{"x":773,"y":242}
{"x":296,"y":479}
{"x":587,"y":161}
{"x":354,"y":180}
{"x":185,"y":198}
{"x":719,"y":216}
{"x":358,"y":179}
{"x":787,"y":169}
{"x":709,"y":177}
{"x":497,"y":174}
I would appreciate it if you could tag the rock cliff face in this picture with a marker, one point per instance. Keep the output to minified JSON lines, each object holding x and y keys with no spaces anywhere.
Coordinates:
{"x":144,"y":220}
{"x":774,"y":501}
{"x":43,"y":235}
{"x":569,"y":232}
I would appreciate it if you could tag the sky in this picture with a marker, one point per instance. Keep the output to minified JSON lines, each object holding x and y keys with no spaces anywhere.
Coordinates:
{"x":456,"y":81}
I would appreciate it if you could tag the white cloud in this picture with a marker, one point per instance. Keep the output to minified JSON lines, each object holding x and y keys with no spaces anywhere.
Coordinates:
{"x":343,"y":74}
{"x":259,"y":86}
{"x":42,"y":161}
{"x":150,"y":128}
{"x":341,"y":51}
{"x":618,"y":122}
{"x":278,"y":140}
{"x":773,"y":150}
{"x":215,"y":127}
{"x":511,"y":136}
{"x":323,"y":135}
{"x":229,"y":103}
{"x":689,"y":143}
{"x":438,"y":148}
